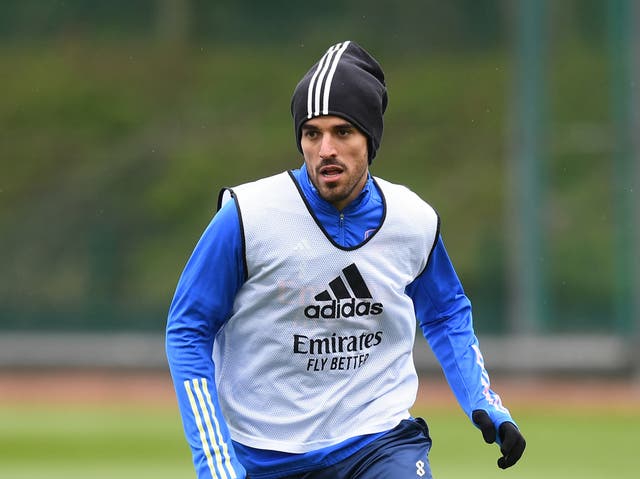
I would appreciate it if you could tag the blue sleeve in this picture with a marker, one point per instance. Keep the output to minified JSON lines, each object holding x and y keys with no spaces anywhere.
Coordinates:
{"x":444,"y":315}
{"x":202,"y":302}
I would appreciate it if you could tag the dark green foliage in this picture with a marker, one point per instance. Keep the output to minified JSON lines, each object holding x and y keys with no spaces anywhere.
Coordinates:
{"x":112,"y":153}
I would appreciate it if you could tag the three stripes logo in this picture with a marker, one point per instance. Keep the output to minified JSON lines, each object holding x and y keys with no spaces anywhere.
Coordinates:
{"x":320,"y":84}
{"x":344,"y":299}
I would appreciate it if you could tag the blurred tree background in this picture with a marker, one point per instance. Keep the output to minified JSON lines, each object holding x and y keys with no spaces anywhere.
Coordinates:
{"x":121,"y":120}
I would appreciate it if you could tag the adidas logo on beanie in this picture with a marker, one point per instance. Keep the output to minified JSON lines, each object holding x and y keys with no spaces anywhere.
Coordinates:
{"x":346,"y":82}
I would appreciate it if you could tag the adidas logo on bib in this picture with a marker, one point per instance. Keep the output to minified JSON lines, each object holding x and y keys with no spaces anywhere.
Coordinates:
{"x":345,"y":298}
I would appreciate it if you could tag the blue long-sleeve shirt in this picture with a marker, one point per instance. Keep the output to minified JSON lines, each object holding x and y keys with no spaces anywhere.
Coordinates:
{"x":203,"y":302}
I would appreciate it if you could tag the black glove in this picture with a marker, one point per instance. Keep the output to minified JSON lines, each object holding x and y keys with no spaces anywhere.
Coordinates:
{"x":512,"y":441}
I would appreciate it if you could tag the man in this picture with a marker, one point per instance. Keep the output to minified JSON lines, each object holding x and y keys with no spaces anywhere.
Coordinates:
{"x":291,"y":331}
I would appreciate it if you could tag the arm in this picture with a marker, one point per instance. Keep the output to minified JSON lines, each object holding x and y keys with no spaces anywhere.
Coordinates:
{"x":202,"y":302}
{"x":444,"y":315}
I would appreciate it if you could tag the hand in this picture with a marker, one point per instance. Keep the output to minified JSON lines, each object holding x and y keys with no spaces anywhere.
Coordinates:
{"x":512,"y":442}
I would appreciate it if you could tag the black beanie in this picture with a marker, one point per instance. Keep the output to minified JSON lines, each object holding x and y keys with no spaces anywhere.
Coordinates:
{"x":346,"y":82}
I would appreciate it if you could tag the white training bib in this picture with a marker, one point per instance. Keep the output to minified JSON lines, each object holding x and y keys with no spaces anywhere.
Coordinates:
{"x":319,"y":345}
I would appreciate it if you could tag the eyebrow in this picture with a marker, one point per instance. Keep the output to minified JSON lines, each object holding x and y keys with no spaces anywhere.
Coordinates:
{"x":346,"y":124}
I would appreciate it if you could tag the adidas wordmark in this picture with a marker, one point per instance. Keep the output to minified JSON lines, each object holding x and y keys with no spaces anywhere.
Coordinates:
{"x":343,"y":303}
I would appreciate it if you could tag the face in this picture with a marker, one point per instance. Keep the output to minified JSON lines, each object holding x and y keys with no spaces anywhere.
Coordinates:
{"x":335,"y":153}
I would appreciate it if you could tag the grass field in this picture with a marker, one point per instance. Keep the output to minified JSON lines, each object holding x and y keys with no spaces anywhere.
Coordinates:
{"x":134,"y":440}
{"x":561,"y":444}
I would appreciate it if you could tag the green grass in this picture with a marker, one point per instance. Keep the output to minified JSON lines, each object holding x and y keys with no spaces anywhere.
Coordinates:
{"x":82,"y":442}
{"x":135,"y":442}
{"x":561,"y":444}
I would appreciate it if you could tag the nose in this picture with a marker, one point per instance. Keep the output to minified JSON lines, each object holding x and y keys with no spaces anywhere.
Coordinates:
{"x":327,"y":147}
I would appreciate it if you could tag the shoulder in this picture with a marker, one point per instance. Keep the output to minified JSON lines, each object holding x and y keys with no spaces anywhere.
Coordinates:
{"x":402,"y":195}
{"x":262,"y":186}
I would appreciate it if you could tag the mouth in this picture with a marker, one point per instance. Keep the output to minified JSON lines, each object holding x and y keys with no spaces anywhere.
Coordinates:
{"x":331,"y":171}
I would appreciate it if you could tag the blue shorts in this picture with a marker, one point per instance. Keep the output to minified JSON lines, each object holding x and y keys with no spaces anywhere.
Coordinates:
{"x":402,"y":453}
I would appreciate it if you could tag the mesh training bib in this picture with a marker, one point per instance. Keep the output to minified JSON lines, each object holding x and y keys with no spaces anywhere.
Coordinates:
{"x":319,"y":345}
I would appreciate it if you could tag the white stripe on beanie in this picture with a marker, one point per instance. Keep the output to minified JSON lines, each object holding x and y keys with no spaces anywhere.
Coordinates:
{"x":327,"y":86}
{"x":312,"y":82}
{"x":320,"y":79}
{"x":314,"y":91}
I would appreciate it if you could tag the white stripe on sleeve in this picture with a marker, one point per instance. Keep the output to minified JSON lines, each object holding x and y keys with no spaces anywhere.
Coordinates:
{"x":203,"y":435}
{"x":220,"y":439}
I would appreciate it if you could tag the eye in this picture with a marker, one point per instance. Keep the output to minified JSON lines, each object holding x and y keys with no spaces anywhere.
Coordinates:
{"x":344,"y":131}
{"x":310,"y":134}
